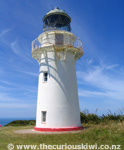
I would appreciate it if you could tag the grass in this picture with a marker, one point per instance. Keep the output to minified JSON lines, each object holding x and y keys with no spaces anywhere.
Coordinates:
{"x":105,"y":133}
{"x":105,"y":130}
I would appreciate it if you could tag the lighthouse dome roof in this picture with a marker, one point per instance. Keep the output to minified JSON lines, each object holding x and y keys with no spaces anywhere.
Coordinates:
{"x":56,"y":10}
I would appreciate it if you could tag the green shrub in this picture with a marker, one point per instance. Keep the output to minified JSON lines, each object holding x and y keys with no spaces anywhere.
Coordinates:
{"x":21,"y":123}
{"x":87,"y":117}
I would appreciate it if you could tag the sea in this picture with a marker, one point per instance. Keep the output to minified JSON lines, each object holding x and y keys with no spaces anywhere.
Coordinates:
{"x":4,"y":121}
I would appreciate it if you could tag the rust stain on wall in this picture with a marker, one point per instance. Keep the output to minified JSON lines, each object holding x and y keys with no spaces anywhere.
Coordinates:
{"x":59,"y":56}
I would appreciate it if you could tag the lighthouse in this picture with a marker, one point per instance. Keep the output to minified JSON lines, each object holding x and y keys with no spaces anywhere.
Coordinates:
{"x":57,"y":50}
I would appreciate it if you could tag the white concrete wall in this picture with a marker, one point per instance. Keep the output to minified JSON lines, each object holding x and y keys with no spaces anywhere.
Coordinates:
{"x":58,"y":96}
{"x":56,"y":37}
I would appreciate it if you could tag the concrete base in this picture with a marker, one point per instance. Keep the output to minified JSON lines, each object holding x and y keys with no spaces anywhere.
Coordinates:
{"x":58,"y":129}
{"x":32,"y":131}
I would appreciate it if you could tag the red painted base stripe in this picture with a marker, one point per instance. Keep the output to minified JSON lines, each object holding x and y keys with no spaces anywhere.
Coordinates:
{"x":58,"y":129}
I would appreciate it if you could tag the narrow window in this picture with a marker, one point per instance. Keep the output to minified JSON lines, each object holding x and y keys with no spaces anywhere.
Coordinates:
{"x":45,"y":76}
{"x":43,"y":118}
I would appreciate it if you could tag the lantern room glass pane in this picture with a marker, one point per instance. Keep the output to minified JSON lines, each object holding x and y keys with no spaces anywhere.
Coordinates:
{"x":57,"y":21}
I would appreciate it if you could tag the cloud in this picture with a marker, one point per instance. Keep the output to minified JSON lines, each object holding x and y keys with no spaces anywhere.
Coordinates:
{"x":9,"y":100}
{"x":108,"y":82}
{"x":18,"y":105}
{"x":15,"y":48}
{"x":20,"y":50}
{"x":97,"y":94}
{"x":111,"y":66}
{"x":89,"y":61}
{"x":4,"y":31}
{"x":1,"y":71}
{"x":6,"y":82}
{"x":6,"y":97}
{"x":86,"y":93}
{"x":16,"y":93}
{"x":30,"y":73}
{"x":6,"y":87}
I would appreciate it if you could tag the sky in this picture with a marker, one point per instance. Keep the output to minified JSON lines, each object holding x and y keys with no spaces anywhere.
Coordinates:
{"x":100,"y":71}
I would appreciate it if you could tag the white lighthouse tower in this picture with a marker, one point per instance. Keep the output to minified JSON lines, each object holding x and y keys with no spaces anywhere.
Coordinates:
{"x":57,"y":50}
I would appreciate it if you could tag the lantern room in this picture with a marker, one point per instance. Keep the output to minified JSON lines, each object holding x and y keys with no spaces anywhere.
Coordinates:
{"x":56,"y":19}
